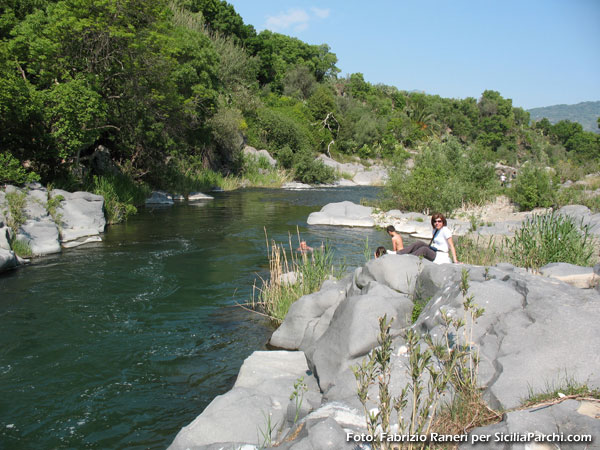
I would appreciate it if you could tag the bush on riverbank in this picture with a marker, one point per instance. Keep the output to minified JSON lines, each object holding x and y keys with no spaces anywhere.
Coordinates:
{"x":445,"y":176}
{"x":548,"y":238}
{"x":533,"y":188}
{"x":541,"y":240}
{"x":121,"y":195}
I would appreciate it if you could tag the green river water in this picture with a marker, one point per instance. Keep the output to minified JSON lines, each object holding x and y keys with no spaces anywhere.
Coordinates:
{"x":119,"y":344}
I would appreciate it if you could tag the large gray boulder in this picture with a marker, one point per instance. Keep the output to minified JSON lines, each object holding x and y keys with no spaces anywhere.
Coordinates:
{"x":533,"y":330}
{"x":354,"y":329}
{"x":582,"y":215}
{"x":253,"y":153}
{"x":8,"y":260}
{"x":342,"y":213}
{"x":568,"y":418}
{"x":39,"y":231}
{"x":581,"y":277}
{"x":374,"y":176}
{"x":81,"y":215}
{"x":261,"y":391}
{"x":398,"y":272}
{"x":309,"y":317}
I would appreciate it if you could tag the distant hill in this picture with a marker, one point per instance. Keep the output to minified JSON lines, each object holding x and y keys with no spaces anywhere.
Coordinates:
{"x":586,"y":113}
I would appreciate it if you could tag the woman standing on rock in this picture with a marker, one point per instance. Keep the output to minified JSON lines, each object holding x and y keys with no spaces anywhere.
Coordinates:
{"x":442,"y":243}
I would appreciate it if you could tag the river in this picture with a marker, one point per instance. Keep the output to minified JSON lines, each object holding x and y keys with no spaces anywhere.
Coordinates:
{"x":121,"y":343}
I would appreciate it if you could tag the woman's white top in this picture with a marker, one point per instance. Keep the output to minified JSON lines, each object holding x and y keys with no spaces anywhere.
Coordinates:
{"x":440,"y":241}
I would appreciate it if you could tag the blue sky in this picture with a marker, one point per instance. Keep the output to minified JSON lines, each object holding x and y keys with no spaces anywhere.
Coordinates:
{"x":538,"y":53}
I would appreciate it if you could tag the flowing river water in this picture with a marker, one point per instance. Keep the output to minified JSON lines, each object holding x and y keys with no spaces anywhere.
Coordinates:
{"x":121,"y":343}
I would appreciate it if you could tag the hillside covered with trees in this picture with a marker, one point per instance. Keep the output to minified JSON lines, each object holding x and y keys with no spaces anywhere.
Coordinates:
{"x":585,"y":113}
{"x":175,"y":89}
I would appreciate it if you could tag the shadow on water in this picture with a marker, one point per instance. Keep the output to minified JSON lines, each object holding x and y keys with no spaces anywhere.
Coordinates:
{"x":123,"y":342}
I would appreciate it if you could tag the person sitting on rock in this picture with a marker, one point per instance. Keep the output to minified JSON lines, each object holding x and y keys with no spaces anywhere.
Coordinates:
{"x":396,"y":238}
{"x":418,"y":248}
{"x":441,"y":242}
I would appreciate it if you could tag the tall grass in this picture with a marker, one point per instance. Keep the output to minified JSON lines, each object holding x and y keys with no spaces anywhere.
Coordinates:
{"x":16,"y":209}
{"x":121,"y":195}
{"x":276,"y":294}
{"x":21,"y":248}
{"x":548,"y":238}
{"x":480,"y":251}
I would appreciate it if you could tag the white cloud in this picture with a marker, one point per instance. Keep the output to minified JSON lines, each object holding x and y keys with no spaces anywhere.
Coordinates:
{"x":295,"y":18}
{"x":320,"y":13}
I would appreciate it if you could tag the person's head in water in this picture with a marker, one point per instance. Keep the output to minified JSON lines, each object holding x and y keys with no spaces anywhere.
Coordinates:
{"x":304,"y":247}
{"x":380,"y":251}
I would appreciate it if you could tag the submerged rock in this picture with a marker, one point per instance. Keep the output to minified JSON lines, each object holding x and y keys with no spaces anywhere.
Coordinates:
{"x":159,"y":198}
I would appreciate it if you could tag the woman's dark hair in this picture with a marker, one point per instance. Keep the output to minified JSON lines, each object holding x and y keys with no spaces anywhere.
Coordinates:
{"x":390,"y":229}
{"x":380,"y":251}
{"x":438,"y":216}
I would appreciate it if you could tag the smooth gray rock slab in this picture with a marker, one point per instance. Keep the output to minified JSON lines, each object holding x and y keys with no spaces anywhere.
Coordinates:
{"x":580,"y":277}
{"x":342,"y":213}
{"x":353,"y":331}
{"x":562,"y":418}
{"x":371,"y":177}
{"x":159,"y":198}
{"x":262,"y":389}
{"x":398,"y":272}
{"x":35,"y":206}
{"x":304,"y":322}
{"x":40,"y":235}
{"x":4,"y":237}
{"x":195,"y":196}
{"x":8,"y":260}
{"x":81,"y":214}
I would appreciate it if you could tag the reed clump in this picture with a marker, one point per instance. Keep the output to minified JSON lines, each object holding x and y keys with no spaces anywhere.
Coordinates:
{"x":292,"y":274}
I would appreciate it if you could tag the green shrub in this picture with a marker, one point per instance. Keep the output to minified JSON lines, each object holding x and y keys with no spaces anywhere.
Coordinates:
{"x":549,"y":238}
{"x":21,"y":248}
{"x":533,"y":188}
{"x":16,"y":209}
{"x":11,"y":171}
{"x":121,"y":194}
{"x":445,"y":176}
{"x":311,"y":171}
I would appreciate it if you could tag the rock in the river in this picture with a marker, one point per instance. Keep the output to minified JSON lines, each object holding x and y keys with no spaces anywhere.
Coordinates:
{"x":196,"y":196}
{"x":81,"y":215}
{"x":159,"y":198}
{"x":261,"y":392}
{"x":342,"y":213}
{"x":294,"y":185}
{"x":8,"y":260}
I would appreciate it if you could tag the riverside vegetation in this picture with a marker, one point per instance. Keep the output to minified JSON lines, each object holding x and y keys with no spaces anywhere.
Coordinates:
{"x":291,"y":277}
{"x":542,"y":239}
{"x":174,"y":89}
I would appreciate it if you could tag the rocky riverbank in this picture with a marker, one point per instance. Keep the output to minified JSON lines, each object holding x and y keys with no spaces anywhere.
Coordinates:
{"x":535,"y":333}
{"x":498,"y":219}
{"x":43,"y":222}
